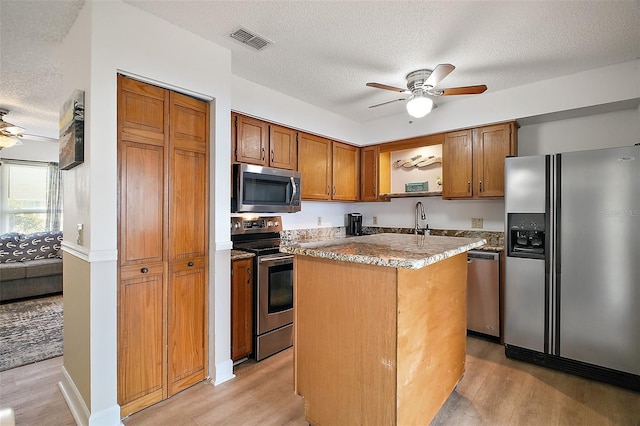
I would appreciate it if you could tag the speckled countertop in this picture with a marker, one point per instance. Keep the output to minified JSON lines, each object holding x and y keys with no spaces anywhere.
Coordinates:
{"x":392,"y":250}
{"x":241,"y":254}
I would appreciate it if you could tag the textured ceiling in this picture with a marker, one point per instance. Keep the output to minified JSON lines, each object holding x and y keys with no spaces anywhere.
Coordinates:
{"x":325,"y":51}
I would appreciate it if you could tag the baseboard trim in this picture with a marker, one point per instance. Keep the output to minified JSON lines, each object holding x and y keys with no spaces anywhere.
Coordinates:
{"x":74,"y":400}
{"x":224,"y":372}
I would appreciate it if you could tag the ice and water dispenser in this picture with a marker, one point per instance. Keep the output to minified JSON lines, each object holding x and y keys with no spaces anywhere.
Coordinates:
{"x":527,"y":235}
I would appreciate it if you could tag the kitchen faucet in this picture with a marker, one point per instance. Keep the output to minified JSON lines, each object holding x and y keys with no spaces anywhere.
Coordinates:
{"x":422,"y":215}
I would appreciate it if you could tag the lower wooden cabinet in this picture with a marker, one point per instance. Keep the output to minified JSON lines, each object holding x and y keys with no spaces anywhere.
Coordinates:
{"x":241,"y":308}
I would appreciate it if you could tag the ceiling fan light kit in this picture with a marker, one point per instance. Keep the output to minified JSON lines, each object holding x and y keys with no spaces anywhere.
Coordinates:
{"x":419,"y":106}
{"x":8,"y":141}
{"x":8,"y":132}
{"x":421,"y":85}
{"x":8,"y":129}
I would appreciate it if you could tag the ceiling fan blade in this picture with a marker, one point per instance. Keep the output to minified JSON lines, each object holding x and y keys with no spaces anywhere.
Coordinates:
{"x":388,"y":102}
{"x":37,"y":138}
{"x":385,"y":87}
{"x":467,"y":90}
{"x":438,"y":74}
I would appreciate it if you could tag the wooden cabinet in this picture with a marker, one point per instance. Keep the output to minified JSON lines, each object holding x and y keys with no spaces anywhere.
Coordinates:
{"x":473,"y":161}
{"x":163,"y":163}
{"x":330,"y":170}
{"x":457,"y":167}
{"x":346,"y":172}
{"x":241,"y":308}
{"x":369,"y":173}
{"x":314,"y":162}
{"x":264,"y":144}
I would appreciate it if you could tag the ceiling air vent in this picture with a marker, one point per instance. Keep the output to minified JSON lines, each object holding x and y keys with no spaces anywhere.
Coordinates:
{"x":251,"y":39}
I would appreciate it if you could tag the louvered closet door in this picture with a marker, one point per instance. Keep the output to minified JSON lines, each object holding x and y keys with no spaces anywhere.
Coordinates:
{"x":188,"y":237}
{"x":142,"y":159}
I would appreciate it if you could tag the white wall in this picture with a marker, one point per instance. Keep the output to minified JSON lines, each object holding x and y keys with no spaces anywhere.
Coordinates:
{"x":565,"y":93}
{"x":32,"y":151}
{"x":607,"y":130}
{"x":605,"y":85}
{"x":115,"y":37}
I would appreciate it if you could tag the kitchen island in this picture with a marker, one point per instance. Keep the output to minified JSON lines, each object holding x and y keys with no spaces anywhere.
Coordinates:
{"x":380,"y":326}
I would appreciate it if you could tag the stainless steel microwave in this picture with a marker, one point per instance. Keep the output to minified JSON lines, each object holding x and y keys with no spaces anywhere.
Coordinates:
{"x":258,"y":189}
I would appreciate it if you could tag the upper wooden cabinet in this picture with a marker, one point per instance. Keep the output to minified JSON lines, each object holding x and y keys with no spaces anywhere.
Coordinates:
{"x":330,"y":170}
{"x":473,"y":161}
{"x":369,"y":173}
{"x":258,"y":142}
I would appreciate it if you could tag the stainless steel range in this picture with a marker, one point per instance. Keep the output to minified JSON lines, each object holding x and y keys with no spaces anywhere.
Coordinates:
{"x":273,"y":275}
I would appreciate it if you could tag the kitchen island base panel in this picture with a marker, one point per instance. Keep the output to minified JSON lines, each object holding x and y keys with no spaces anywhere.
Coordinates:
{"x":378,"y":345}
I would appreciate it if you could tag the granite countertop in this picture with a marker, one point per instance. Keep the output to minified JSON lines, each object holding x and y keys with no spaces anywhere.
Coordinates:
{"x":392,"y":250}
{"x":240,"y":254}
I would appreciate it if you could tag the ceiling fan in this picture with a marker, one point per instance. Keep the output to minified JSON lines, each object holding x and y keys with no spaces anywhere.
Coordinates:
{"x":10,"y":134}
{"x":421,"y":84}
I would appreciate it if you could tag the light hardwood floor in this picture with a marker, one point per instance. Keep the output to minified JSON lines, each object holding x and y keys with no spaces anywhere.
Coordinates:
{"x":493,"y":391}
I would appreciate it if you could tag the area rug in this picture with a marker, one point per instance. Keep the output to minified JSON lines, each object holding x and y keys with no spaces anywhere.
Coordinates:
{"x":30,"y":331}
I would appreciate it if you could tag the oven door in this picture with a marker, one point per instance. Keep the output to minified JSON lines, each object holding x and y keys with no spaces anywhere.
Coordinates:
{"x":274,"y":292}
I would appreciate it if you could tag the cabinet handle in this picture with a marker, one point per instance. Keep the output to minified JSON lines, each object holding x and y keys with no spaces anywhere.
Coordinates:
{"x":249,"y":271}
{"x":144,"y":270}
{"x":469,"y":186}
{"x":334,"y":190}
{"x":480,"y":185}
{"x":190,"y":264}
{"x":374,"y":191}
{"x":272,"y":156}
{"x":262,"y":154}
{"x":328,"y":190}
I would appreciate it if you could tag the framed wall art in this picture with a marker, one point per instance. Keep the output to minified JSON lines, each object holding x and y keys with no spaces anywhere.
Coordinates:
{"x":72,"y":131}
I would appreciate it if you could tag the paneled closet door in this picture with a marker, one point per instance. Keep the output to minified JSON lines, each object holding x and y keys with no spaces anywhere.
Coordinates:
{"x":142,"y":159}
{"x":188,"y":242}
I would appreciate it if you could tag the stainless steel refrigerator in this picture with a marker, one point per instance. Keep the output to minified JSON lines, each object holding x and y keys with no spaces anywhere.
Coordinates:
{"x":572,"y":279}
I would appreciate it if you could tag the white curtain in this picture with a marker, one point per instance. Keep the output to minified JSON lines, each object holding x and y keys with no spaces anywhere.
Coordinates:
{"x":54,"y":198}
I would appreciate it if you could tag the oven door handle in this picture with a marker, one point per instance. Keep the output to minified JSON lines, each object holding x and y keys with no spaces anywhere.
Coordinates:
{"x":276,"y":260}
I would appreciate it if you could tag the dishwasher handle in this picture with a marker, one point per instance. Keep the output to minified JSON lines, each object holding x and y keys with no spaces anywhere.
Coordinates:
{"x":481,"y":254}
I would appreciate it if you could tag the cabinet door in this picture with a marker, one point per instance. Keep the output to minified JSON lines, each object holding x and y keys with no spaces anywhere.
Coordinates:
{"x":142,"y":137}
{"x":252,"y":138}
{"x":241,"y":308}
{"x":457,"y":165}
{"x":188,"y":241}
{"x":491,"y":145}
{"x":283,"y":148}
{"x":187,"y":324}
{"x":346,"y":172}
{"x":314,"y":162}
{"x":369,"y":173}
{"x":141,"y":337}
{"x":142,"y":134}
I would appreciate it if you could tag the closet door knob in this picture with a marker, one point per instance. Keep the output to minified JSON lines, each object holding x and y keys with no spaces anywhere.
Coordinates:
{"x":144,"y":270}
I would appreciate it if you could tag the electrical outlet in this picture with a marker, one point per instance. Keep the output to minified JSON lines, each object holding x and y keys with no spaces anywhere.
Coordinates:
{"x":375,"y":220}
{"x":476,"y":222}
{"x":319,"y":221}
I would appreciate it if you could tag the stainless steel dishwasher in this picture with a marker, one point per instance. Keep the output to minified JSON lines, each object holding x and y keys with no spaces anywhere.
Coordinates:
{"x":483,"y":292}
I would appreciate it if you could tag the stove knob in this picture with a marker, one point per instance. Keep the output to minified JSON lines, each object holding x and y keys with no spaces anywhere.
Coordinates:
{"x":276,"y":223}
{"x":269,"y":224}
{"x":236,"y":225}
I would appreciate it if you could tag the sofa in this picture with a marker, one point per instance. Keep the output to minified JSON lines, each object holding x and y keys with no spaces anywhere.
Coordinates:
{"x":30,"y":265}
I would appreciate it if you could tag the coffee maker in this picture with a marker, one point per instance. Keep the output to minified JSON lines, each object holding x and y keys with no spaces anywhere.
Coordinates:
{"x":354,"y":224}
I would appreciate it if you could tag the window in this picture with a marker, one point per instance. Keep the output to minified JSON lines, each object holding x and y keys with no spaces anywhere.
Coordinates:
{"x":23,"y":196}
